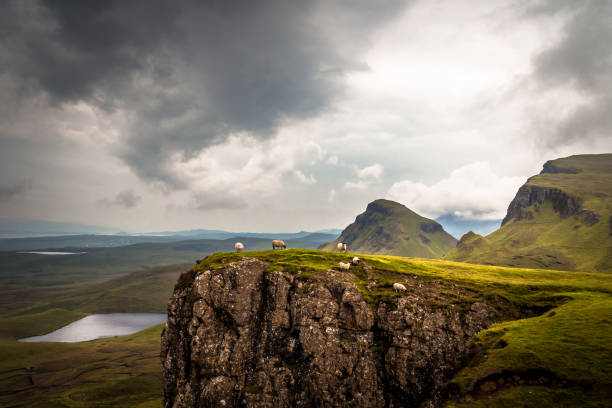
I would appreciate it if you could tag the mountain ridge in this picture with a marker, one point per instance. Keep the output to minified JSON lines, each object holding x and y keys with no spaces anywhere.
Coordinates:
{"x":559,"y":219}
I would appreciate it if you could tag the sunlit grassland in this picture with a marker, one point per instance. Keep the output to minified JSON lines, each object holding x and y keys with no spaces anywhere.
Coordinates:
{"x":570,"y":341}
{"x":118,"y":372}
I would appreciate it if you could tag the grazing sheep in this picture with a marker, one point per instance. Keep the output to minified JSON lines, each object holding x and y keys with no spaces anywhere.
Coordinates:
{"x":355,"y":261}
{"x":277,"y":243}
{"x":238,"y":246}
{"x":342,"y":246}
{"x":344,"y":266}
{"x":398,"y":287}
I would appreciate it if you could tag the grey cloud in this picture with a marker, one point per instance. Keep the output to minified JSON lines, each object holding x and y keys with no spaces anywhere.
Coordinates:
{"x":188,"y":73}
{"x":11,"y":190}
{"x":218,"y":201}
{"x":124,"y":199}
{"x":582,"y":59}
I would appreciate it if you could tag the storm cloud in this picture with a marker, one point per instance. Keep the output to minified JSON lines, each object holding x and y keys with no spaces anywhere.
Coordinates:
{"x":176,"y":77}
{"x":285,"y":115}
{"x":580,"y":62}
{"x":11,"y":190}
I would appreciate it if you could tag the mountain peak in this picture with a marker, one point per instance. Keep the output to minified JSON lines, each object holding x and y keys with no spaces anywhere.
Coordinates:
{"x":388,"y":227}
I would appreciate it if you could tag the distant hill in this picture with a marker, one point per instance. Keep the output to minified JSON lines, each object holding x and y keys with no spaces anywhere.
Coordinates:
{"x":109,"y":241}
{"x":457,"y":226}
{"x":389,"y":228}
{"x":559,"y":219}
{"x":16,"y":228}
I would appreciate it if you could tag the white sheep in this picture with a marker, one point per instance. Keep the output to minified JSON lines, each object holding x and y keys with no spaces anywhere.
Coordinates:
{"x":344,"y":266}
{"x":277,"y":243}
{"x":398,"y":287}
{"x":238,"y":246}
{"x":355,"y":261}
{"x":342,"y":246}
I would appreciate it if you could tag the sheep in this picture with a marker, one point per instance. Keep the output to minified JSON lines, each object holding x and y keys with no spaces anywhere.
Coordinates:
{"x":344,"y":266}
{"x":277,"y":243}
{"x":238,"y":246}
{"x":342,"y":246}
{"x":398,"y":287}
{"x":355,"y":261}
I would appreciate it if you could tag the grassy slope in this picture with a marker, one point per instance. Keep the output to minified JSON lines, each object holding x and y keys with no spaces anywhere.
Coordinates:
{"x":572,"y":342}
{"x":118,"y":372}
{"x":389,"y":228}
{"x":549,"y":241}
{"x":122,"y":372}
{"x":28,"y":277}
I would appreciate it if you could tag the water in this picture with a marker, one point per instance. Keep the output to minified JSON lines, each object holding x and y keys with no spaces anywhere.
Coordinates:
{"x":51,"y":253}
{"x":98,"y":326}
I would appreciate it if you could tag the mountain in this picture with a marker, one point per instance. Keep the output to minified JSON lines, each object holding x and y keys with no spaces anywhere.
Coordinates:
{"x":457,"y":226}
{"x":559,"y":219}
{"x":389,"y":228}
{"x":28,"y":228}
{"x":109,"y":241}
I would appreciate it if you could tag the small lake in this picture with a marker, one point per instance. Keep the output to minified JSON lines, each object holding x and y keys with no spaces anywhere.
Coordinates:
{"x":51,"y":253}
{"x":98,"y":326}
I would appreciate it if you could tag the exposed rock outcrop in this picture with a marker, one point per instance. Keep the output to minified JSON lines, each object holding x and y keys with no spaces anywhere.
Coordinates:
{"x":243,"y":336}
{"x":528,"y":195}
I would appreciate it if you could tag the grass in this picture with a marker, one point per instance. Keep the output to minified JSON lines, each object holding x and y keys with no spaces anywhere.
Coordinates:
{"x":118,"y":372}
{"x":569,"y":345}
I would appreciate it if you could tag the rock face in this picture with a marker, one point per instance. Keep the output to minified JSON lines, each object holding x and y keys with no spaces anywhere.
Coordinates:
{"x":527,"y":196}
{"x":242,"y":336}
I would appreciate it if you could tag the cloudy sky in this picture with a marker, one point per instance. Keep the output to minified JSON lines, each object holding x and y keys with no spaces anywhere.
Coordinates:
{"x":282,"y":115}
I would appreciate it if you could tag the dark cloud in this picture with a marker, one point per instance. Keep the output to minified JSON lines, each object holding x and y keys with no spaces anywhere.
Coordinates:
{"x":218,"y":200}
{"x":582,"y":60}
{"x":186,"y":74}
{"x":124,"y":199}
{"x":11,"y":190}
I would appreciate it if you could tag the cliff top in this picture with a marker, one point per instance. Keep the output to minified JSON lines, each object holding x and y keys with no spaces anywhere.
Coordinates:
{"x":565,"y":347}
{"x":585,"y":174}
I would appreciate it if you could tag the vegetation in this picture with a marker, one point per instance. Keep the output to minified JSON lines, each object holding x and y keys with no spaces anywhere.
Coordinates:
{"x":560,"y":355}
{"x":117,"y":372}
{"x":389,"y":228}
{"x":545,"y":237}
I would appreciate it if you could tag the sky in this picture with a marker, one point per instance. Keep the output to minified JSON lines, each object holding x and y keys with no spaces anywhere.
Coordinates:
{"x":279,"y":115}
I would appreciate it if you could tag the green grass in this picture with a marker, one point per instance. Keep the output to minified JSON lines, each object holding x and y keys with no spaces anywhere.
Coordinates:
{"x":570,"y":341}
{"x":549,"y":240}
{"x":118,"y":372}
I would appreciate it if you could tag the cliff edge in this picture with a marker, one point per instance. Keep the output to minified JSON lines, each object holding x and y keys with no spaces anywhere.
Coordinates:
{"x":241,"y":333}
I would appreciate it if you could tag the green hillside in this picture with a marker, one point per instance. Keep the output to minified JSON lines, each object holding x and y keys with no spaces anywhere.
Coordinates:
{"x":554,"y":337}
{"x":389,"y":228}
{"x":560,"y":219}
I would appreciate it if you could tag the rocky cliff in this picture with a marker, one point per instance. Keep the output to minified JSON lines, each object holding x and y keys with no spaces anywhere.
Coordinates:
{"x":534,"y":196}
{"x":241,"y":333}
